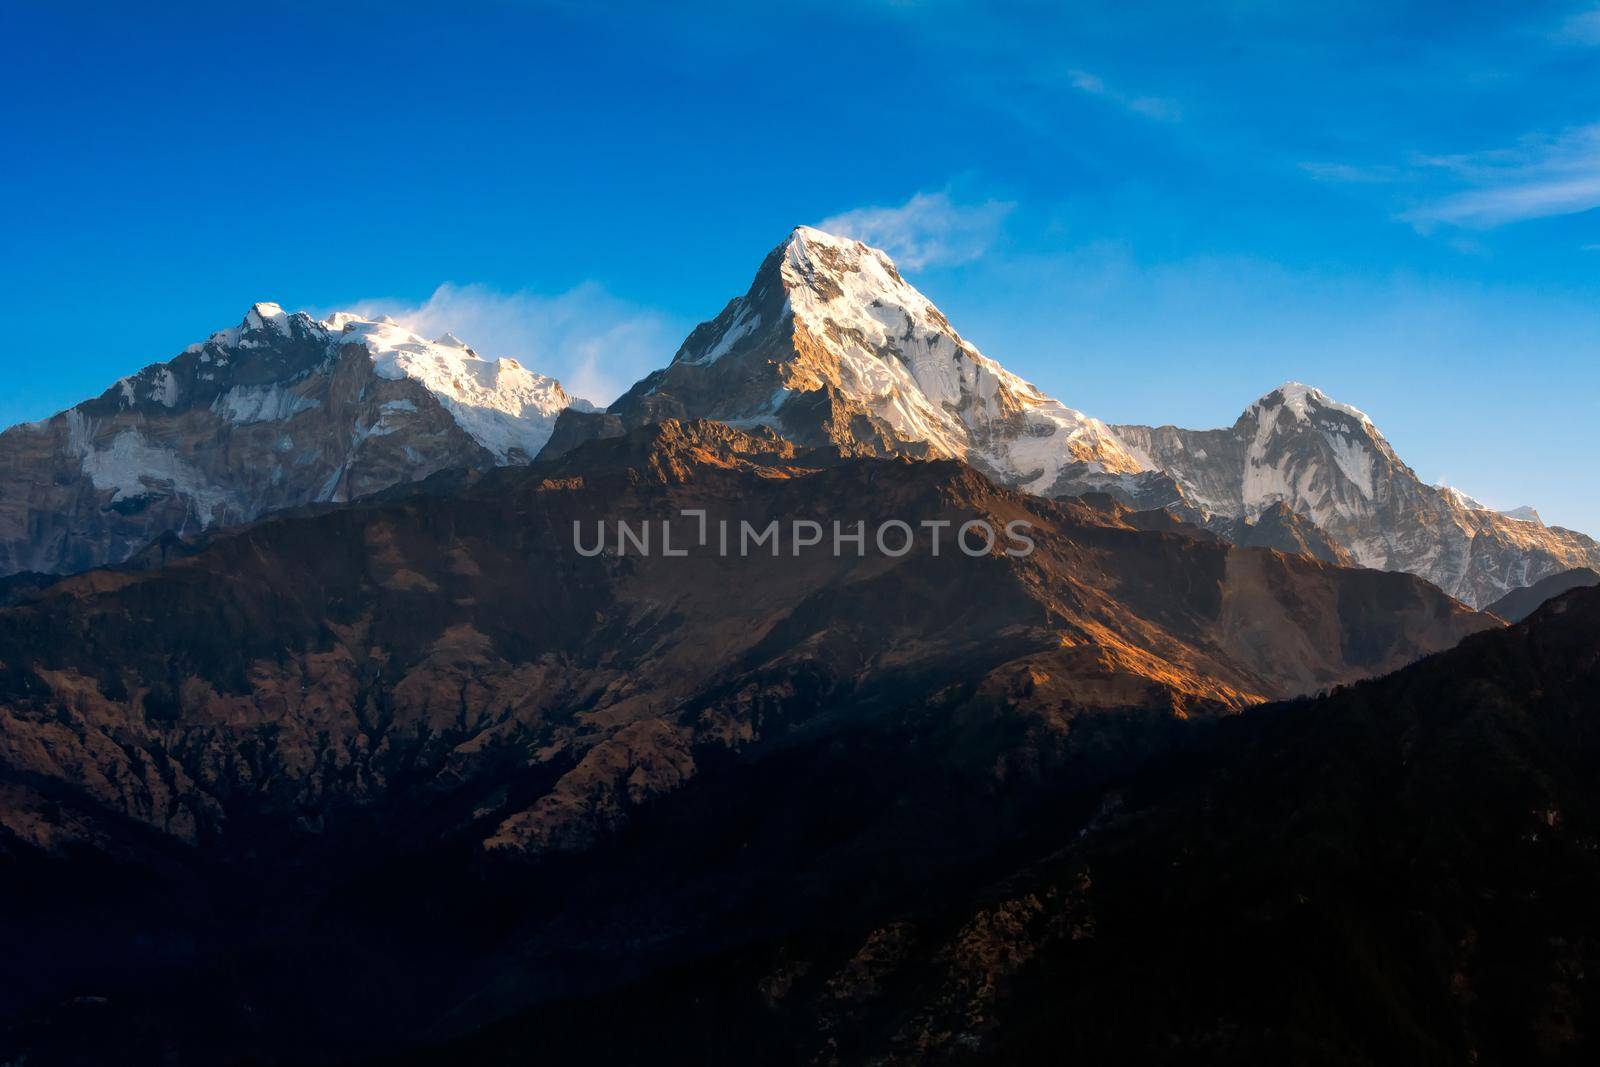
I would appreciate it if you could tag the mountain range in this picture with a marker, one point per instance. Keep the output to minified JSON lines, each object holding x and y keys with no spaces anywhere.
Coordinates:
{"x":329,"y":736}
{"x":1331,"y":466}
{"x":830,"y":344}
{"x":830,"y":347}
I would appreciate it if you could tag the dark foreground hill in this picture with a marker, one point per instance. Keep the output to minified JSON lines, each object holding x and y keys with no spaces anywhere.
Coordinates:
{"x":345,"y":782}
{"x":1520,"y":603}
{"x":1404,"y":872}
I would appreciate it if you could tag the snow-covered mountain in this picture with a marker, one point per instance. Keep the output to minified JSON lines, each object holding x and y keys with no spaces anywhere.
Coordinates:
{"x":278,"y":411}
{"x":831,"y":345}
{"x":1330,"y":464}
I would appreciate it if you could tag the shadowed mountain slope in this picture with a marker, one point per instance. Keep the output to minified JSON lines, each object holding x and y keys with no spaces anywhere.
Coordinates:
{"x":1401,"y":872}
{"x":426,"y":743}
{"x":1520,"y":603}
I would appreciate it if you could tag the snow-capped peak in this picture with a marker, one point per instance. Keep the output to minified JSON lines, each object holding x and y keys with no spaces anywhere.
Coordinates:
{"x":1299,"y":399}
{"x":812,"y":250}
{"x":811,"y":233}
{"x":830,"y":315}
{"x":265,"y":314}
{"x":898,"y":352}
{"x":500,"y":403}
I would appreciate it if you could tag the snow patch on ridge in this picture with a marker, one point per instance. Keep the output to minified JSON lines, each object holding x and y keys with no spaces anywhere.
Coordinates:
{"x":1355,"y":461}
{"x":743,"y":326}
{"x":244,"y":405}
{"x":899,"y":355}
{"x":1461,"y":500}
{"x":503,"y":406}
{"x":266,"y":315}
{"x":1299,"y":398}
{"x":164,"y":388}
{"x":132,"y":467}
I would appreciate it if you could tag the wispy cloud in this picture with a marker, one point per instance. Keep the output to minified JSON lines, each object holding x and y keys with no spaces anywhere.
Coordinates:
{"x":595,"y":343}
{"x":1581,"y":27}
{"x":1154,"y":107}
{"x":928,"y":230}
{"x":1539,"y":177}
{"x":1348,"y":173}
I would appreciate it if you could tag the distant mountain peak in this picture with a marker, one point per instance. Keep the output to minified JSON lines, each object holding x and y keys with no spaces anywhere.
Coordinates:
{"x":279,"y":411}
{"x":831,"y":344}
{"x":811,"y":236}
{"x":811,"y":252}
{"x":504,"y":406}
{"x":265,"y":315}
{"x":1329,"y":463}
{"x":1300,"y":399}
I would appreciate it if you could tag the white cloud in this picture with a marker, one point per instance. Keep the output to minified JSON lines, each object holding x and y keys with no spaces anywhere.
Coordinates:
{"x":1348,"y":174}
{"x":1539,"y":177}
{"x":1153,"y":107}
{"x":928,"y":230}
{"x":595,"y":343}
{"x":1514,"y":202}
{"x":1582,"y":27}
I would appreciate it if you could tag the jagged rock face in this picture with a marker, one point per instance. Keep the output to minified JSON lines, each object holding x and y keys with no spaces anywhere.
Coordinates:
{"x":1328,"y":463}
{"x":832,"y":346}
{"x":282,"y":410}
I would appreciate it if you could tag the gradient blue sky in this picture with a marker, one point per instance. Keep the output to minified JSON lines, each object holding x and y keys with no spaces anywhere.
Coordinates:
{"x":1156,"y":215}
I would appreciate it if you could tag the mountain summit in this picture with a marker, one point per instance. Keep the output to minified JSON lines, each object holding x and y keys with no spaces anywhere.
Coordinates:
{"x":278,"y":411}
{"x":1329,"y":463}
{"x":831,"y":345}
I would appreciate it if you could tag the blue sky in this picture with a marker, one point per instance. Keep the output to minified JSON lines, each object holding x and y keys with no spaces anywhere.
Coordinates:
{"x":1156,"y":215}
